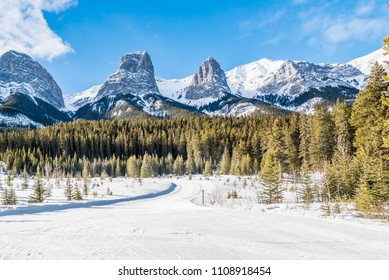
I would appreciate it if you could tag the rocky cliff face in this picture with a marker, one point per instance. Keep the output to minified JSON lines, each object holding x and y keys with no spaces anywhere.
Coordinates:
{"x":135,"y":76}
{"x":19,"y":73}
{"x":29,"y":96}
{"x":209,"y":81}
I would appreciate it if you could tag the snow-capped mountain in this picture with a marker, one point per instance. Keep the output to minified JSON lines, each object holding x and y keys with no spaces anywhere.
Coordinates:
{"x":207,"y":90}
{"x":74,"y":102}
{"x":290,"y":84}
{"x":19,"y":73}
{"x":129,"y":92}
{"x":29,"y":96}
{"x":365,"y":63}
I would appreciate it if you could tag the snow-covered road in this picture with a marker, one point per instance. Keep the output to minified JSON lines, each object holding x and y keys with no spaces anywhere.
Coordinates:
{"x":172,"y":227}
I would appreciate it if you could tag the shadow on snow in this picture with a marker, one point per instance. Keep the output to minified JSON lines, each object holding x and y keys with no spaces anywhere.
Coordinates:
{"x":35,"y":209}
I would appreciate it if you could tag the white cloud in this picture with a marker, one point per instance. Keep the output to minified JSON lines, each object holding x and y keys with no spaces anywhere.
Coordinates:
{"x":365,"y":7}
{"x":23,"y":27}
{"x":330,"y":30}
{"x":356,"y":28}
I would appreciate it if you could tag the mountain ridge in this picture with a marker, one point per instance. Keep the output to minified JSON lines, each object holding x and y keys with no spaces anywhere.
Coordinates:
{"x":264,"y":86}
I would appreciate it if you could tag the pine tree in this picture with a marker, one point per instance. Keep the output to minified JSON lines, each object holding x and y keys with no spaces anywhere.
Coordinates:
{"x":12,"y":197}
{"x":5,"y":197}
{"x":25,"y":179}
{"x":305,"y":128}
{"x":368,"y":118}
{"x":146,"y":170}
{"x":306,"y":192}
{"x":85,"y":186}
{"x":179,"y":166}
{"x":345,"y":175}
{"x":321,"y":143}
{"x":190,"y":165}
{"x":208,"y":168}
{"x":225,"y":163}
{"x":77,"y":194}
{"x":132,"y":167}
{"x":68,"y":192}
{"x":271,"y":178}
{"x":39,"y":191}
{"x":169,"y":162}
{"x":292,"y":142}
{"x":277,"y":143}
{"x":364,"y":200}
{"x":9,"y":179}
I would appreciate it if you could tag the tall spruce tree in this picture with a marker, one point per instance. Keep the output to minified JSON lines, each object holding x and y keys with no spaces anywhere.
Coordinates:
{"x":271,"y":179}
{"x":321,"y":143}
{"x":368,"y":118}
{"x":225,"y":163}
{"x":38,"y":195}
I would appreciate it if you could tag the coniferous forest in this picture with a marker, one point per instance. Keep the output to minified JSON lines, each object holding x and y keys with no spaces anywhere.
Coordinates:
{"x":348,"y":145}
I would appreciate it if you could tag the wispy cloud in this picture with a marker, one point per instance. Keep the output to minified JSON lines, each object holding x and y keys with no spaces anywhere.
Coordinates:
{"x":331,"y":29}
{"x":23,"y":27}
{"x":365,"y":7}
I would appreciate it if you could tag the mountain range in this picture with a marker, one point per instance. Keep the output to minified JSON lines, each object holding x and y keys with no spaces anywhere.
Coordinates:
{"x":30,"y":97}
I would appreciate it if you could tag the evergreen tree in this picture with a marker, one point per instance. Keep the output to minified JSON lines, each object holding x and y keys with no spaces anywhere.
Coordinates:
{"x":132,"y":167}
{"x":208,"y":168}
{"x":169,"y":164}
{"x":25,"y":179}
{"x":146,"y":170}
{"x":225,"y":163}
{"x":5,"y":197}
{"x":9,"y":179}
{"x":190,"y":165}
{"x":12,"y":197}
{"x":305,"y":128}
{"x":271,"y":178}
{"x":321,"y":143}
{"x":292,"y":142}
{"x":306,"y":192}
{"x":39,"y":191}
{"x":368,"y":118}
{"x":68,"y":192}
{"x":85,"y":186}
{"x":364,"y":200}
{"x":179,"y":166}
{"x":77,"y":194}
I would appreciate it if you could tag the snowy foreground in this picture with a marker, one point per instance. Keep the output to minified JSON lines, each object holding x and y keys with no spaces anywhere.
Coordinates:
{"x":165,"y":219}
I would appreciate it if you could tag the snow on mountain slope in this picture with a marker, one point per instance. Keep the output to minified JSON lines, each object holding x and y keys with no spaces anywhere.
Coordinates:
{"x":290,"y":78}
{"x":173,"y":88}
{"x":18,"y":120}
{"x":75,"y":101}
{"x":365,"y":63}
{"x":246,"y":79}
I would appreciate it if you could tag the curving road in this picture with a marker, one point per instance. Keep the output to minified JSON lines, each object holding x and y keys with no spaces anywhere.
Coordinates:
{"x":172,"y":227}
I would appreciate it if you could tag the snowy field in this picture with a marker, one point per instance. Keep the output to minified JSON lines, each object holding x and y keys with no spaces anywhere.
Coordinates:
{"x":165,"y":219}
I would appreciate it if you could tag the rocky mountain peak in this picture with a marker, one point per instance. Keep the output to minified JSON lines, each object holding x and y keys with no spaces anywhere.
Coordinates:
{"x":19,"y":73}
{"x":135,"y":76}
{"x":135,"y":62}
{"x":208,"y":73}
{"x":208,"y":81}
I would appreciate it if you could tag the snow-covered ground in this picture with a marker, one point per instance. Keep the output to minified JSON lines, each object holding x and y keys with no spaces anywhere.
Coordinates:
{"x":173,"y":224}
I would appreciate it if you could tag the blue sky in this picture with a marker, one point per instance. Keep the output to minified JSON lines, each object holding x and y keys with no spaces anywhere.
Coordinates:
{"x":81,"y":42}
